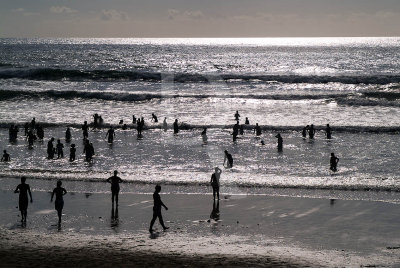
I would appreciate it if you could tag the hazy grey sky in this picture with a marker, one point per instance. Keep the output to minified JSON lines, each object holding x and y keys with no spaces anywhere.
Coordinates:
{"x":198,"y":18}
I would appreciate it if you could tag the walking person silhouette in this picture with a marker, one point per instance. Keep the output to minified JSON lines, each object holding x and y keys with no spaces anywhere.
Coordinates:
{"x":115,"y":181}
{"x":59,"y":203}
{"x":23,"y":189}
{"x":158,"y":204}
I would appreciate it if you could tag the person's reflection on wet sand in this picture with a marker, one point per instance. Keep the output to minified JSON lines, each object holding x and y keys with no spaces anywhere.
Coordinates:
{"x":215,"y":211}
{"x":114,"y":217}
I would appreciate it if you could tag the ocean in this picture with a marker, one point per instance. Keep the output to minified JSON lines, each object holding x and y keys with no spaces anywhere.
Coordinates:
{"x":282,"y":84}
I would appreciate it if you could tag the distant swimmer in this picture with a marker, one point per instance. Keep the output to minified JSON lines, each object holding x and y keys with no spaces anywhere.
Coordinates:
{"x":88,"y":150}
{"x":121,"y":122}
{"x":154,"y":118}
{"x":165,"y":125}
{"x":133,"y":119}
{"x":328,"y":132}
{"x":33,"y":124}
{"x":176,"y":126}
{"x":110,"y":134}
{"x":257,"y":130}
{"x":241,"y":129}
{"x":115,"y":181}
{"x":139,"y":127}
{"x":262,"y":142}
{"x":31,"y":138}
{"x":280,"y":142}
{"x":50,"y":149}
{"x":311,"y":132}
{"x":40,"y":132}
{"x":247,"y":122}
{"x":72,"y":152}
{"x":5,"y":157}
{"x":68,"y":135}
{"x":59,"y":203}
{"x":333,"y":161}
{"x":304,"y":131}
{"x":96,"y":120}
{"x":158,"y":204}
{"x":228,"y":159}
{"x":60,"y":151}
{"x":85,"y":130}
{"x":23,"y":189}
{"x":215,"y":181}
{"x":237,"y":115}
{"x":235,"y":131}
{"x":204,"y":135}
{"x":124,"y":127}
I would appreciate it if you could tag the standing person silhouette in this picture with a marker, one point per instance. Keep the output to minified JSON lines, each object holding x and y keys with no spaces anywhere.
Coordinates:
{"x":204,"y":135}
{"x":68,"y":135}
{"x":59,"y":203}
{"x":311,"y":131}
{"x":115,"y":181}
{"x":257,"y":130}
{"x":333,"y":162}
{"x":237,"y":115}
{"x":23,"y":189}
{"x":165,"y":125}
{"x":50,"y":149}
{"x":72,"y":152}
{"x":110,"y":134}
{"x":280,"y":142}
{"x":215,"y":181}
{"x":304,"y":131}
{"x":328,"y":132}
{"x":176,"y":126}
{"x":60,"y":151}
{"x":158,"y":204}
{"x":228,"y":159}
{"x":85,"y":130}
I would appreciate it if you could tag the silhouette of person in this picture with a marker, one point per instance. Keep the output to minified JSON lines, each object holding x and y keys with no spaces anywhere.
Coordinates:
{"x":5,"y":157}
{"x":176,"y":126}
{"x":26,"y":128}
{"x":280,"y":142}
{"x":23,"y":189}
{"x":247,"y":122}
{"x":154,"y":118}
{"x":50,"y":149}
{"x":165,"y":125}
{"x":158,"y":204}
{"x":241,"y":130}
{"x":237,"y":115}
{"x":110,"y":134}
{"x":115,"y":181}
{"x":333,"y":162}
{"x":262,"y":142}
{"x":311,"y":132}
{"x":304,"y":131}
{"x":204,"y":135}
{"x":88,"y":150}
{"x":95,"y":120}
{"x":215,"y":181}
{"x":30,"y":137}
{"x":72,"y":152}
{"x":85,"y":130}
{"x":215,"y":211}
{"x":257,"y":130}
{"x":68,"y":135}
{"x":121,"y":122}
{"x":124,"y":127}
{"x":133,"y":119}
{"x":101,"y":121}
{"x":328,"y":132}
{"x":228,"y":159}
{"x":40,"y":132}
{"x":59,"y":203}
{"x":235,"y":131}
{"x":60,"y":151}
{"x":33,"y":123}
{"x":13,"y":133}
{"x":139,"y":127}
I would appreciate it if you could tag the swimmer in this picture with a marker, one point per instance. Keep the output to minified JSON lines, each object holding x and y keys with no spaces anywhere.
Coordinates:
{"x":228,"y":159}
{"x":5,"y":157}
{"x":72,"y":152}
{"x":333,"y":162}
{"x":110,"y":134}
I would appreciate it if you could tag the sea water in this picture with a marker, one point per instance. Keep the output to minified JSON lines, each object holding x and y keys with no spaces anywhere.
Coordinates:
{"x":282,"y":84}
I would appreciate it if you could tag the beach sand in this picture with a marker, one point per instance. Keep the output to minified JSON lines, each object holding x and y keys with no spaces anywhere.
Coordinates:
{"x":246,"y":231}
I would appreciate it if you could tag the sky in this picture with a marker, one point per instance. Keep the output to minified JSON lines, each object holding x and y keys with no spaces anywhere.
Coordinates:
{"x":199,"y":18}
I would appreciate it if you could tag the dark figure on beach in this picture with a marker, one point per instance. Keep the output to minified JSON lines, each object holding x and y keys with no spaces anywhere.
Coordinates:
{"x":235,"y":132}
{"x":328,"y":132}
{"x":5,"y":157}
{"x":59,"y":203}
{"x":247,"y":122}
{"x":176,"y":126}
{"x":85,"y":130}
{"x":311,"y":132}
{"x":31,"y":138}
{"x":262,"y":142}
{"x":133,"y":119}
{"x":60,"y":151}
{"x":50,"y":149}
{"x":280,"y":142}
{"x":115,"y":181}
{"x":101,"y":121}
{"x":257,"y":130}
{"x":33,"y":123}
{"x":121,"y":122}
{"x":215,"y":181}
{"x":68,"y":135}
{"x":139,"y":127}
{"x":40,"y":132}
{"x":95,"y":120}
{"x":237,"y":115}
{"x":241,"y":130}
{"x":215,"y":211}
{"x":228,"y":159}
{"x":333,"y":162}
{"x":142,"y":122}
{"x":110,"y":134}
{"x":72,"y":152}
{"x":26,"y":128}
{"x":23,"y":189}
{"x":165,"y":125}
{"x":154,"y":118}
{"x":88,"y":150}
{"x":13,"y":133}
{"x":304,"y":131}
{"x":158,"y":204}
{"x":204,"y":135}
{"x":124,"y":127}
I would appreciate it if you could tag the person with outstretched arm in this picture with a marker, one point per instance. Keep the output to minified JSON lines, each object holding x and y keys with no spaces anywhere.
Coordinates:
{"x":115,"y":181}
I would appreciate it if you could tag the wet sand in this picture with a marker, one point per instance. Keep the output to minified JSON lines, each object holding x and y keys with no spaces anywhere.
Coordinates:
{"x":243,"y":231}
